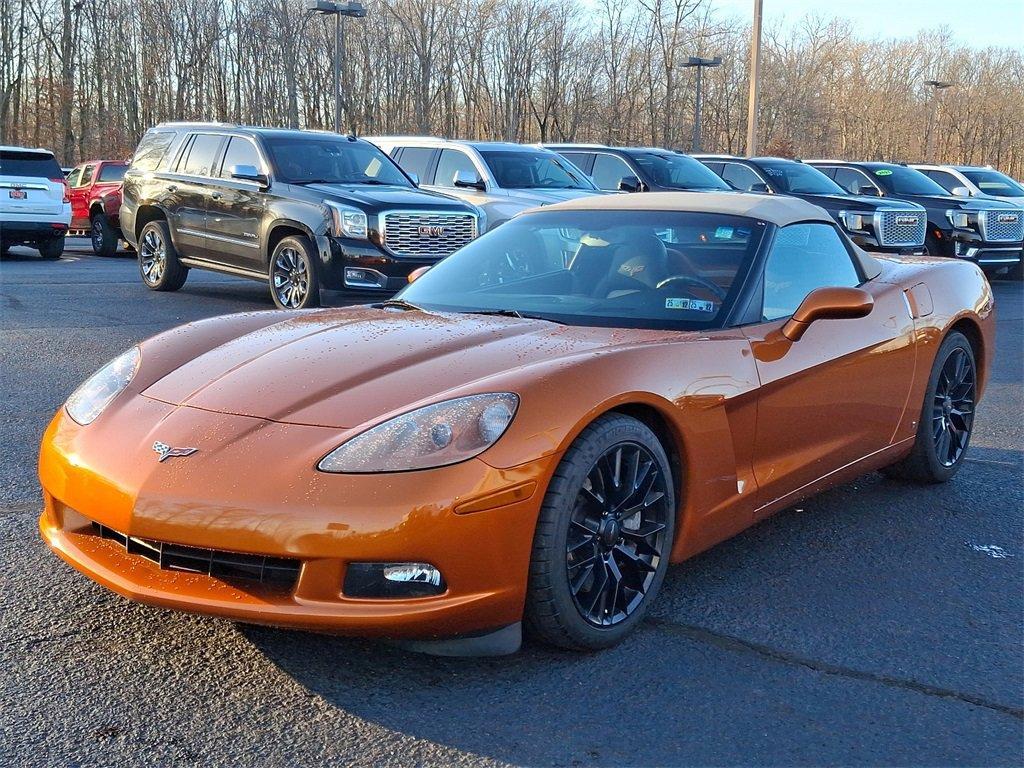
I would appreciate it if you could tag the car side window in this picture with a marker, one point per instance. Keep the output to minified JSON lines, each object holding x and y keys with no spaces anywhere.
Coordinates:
{"x":74,"y":177}
{"x":416,"y":160}
{"x":452,"y":162}
{"x":151,"y":150}
{"x":804,"y":257}
{"x":740,"y":176}
{"x":86,"y":178}
{"x":580,"y":159}
{"x":852,"y":180}
{"x":202,"y":154}
{"x":945,"y":180}
{"x":609,"y":170}
{"x":239,"y":152}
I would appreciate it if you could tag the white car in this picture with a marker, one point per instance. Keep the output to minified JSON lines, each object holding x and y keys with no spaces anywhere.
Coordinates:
{"x":35,"y":202}
{"x":975,"y":181}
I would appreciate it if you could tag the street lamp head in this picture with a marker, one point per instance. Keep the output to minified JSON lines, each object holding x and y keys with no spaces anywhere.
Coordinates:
{"x":697,"y":61}
{"x":352,"y":8}
{"x":939,"y":84}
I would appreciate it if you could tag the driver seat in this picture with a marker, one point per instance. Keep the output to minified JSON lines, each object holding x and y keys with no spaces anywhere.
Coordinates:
{"x":635,"y":266}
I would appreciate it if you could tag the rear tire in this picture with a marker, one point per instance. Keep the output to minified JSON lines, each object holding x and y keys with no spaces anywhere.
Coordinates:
{"x":158,"y":261}
{"x":52,"y":249}
{"x":294,"y":282}
{"x":947,"y":416}
{"x":603,"y":537}
{"x":104,"y":237}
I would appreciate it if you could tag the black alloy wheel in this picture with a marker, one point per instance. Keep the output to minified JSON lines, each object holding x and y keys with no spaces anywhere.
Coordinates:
{"x":293,"y":278}
{"x":953,"y":407}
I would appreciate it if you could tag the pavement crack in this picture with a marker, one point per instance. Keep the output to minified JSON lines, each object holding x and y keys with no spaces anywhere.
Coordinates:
{"x":739,"y":645}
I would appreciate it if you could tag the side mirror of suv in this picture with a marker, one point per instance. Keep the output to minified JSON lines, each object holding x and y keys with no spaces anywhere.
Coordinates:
{"x":960,"y":192}
{"x":759,"y":186}
{"x":468,"y":180}
{"x":249,"y":173}
{"x":867,"y":190}
{"x":629,"y":184}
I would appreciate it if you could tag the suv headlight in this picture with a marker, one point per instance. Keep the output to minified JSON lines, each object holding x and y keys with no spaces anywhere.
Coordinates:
{"x":347,"y":221}
{"x":96,"y":393}
{"x":855,"y":222}
{"x":961,"y":219}
{"x":433,"y":436}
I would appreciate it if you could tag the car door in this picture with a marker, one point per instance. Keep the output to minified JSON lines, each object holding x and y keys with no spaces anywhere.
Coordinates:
{"x":609,"y":170}
{"x":837,"y":395}
{"x":189,"y":189}
{"x":79,"y":182}
{"x":416,"y":161}
{"x":450,"y":163}
{"x":234,"y":209}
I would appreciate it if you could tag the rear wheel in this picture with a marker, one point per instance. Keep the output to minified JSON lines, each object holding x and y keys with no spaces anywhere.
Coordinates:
{"x":602,"y":543}
{"x":947,"y":416}
{"x":158,"y":260}
{"x":104,"y":237}
{"x":51,"y":249}
{"x":294,"y":283}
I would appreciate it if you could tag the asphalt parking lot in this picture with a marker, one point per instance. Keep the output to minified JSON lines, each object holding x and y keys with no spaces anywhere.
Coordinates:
{"x":879,"y":623}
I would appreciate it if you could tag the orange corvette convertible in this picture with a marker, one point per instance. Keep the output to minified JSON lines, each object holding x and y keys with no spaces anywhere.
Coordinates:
{"x":528,"y":434}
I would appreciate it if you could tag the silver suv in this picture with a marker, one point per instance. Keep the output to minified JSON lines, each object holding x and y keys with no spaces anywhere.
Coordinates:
{"x":499,"y":177}
{"x":974,"y":181}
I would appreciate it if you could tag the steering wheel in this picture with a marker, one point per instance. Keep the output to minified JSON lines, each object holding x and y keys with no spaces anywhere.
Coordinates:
{"x":692,"y":280}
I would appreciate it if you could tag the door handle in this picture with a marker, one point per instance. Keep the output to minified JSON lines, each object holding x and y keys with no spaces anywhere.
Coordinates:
{"x":172,"y":187}
{"x":215,"y":195}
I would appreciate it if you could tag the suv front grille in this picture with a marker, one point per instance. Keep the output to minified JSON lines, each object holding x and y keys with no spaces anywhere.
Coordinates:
{"x":426,"y":235}
{"x":279,"y":573}
{"x":1001,"y":226}
{"x":901,"y":227}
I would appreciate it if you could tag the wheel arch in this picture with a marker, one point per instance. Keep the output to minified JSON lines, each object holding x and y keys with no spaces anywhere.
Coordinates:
{"x":972,"y":330}
{"x":280,"y":229}
{"x":145,"y":214}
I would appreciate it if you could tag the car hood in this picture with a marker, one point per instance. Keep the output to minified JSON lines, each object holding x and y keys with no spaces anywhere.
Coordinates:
{"x":958,"y":203}
{"x":342,"y":368}
{"x":374,"y":197}
{"x":548,"y":196}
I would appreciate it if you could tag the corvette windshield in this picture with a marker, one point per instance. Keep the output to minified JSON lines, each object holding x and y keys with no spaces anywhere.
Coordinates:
{"x":628,"y":269}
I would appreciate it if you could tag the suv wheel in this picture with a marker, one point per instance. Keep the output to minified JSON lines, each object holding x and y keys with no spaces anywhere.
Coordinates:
{"x":294,"y":283}
{"x":103,"y":236}
{"x":51,"y":249}
{"x":158,"y":261}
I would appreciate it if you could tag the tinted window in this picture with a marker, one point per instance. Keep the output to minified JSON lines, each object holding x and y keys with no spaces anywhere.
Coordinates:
{"x":416,"y":160}
{"x":151,"y":150}
{"x":852,"y":180}
{"x":627,"y":269}
{"x":945,"y":180}
{"x":740,"y":176}
{"x":306,"y":159}
{"x":677,"y":171}
{"x":900,"y":180}
{"x":799,"y":178}
{"x":87,"y":175}
{"x":609,"y":170}
{"x":804,"y":257}
{"x":40,"y":165}
{"x":452,"y":161}
{"x":112,"y":172}
{"x":995,"y":183}
{"x":580,"y":159}
{"x":239,"y":152}
{"x":74,"y":176}
{"x":533,"y":170}
{"x":201,"y":155}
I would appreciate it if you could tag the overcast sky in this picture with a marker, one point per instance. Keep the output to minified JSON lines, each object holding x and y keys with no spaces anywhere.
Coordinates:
{"x":976,"y":22}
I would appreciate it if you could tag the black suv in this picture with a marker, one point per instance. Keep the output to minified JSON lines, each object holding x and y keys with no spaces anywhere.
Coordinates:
{"x":873,"y":224}
{"x":299,"y":209}
{"x":639,"y":169}
{"x":987,"y":232}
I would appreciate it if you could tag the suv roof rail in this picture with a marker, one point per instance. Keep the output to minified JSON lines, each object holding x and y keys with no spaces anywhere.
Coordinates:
{"x":714,"y":154}
{"x":549,"y":144}
{"x":826,"y":160}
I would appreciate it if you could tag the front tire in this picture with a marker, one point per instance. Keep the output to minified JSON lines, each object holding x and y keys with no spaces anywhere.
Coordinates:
{"x":158,"y":260}
{"x":294,"y":283}
{"x":51,"y":249}
{"x":947,"y":416}
{"x":603,"y":537}
{"x":104,"y":237}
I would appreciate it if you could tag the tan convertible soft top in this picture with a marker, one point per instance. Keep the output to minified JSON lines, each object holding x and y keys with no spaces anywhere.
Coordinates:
{"x":777,"y":209}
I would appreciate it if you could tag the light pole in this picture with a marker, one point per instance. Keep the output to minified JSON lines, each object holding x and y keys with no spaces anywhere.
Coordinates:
{"x":337,"y":9}
{"x":936,"y":86}
{"x":755,"y":64}
{"x":699,"y":63}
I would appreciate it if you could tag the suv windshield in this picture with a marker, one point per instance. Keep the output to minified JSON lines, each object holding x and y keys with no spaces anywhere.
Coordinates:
{"x":532,"y":170}
{"x":994,"y":183}
{"x":790,"y":176}
{"x":678,"y":171}
{"x":39,"y":165}
{"x":330,"y":160}
{"x":900,"y":180}
{"x":625,"y":269}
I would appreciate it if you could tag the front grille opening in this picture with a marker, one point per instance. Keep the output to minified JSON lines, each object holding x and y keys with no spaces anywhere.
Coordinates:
{"x":278,"y":573}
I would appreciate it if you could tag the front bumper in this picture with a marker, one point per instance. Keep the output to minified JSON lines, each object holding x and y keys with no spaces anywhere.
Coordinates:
{"x":361,"y":265}
{"x":245,"y":491}
{"x":870,"y":243}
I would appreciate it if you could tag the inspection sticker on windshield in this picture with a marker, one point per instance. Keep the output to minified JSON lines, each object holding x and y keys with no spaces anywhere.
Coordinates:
{"x":723,"y":233}
{"x":696,"y":305}
{"x":883,"y":172}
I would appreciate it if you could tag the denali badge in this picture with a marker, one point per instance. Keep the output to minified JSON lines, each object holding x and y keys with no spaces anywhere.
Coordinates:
{"x":431,"y":231}
{"x":906,"y":220}
{"x":166,"y":452}
{"x":1006,"y":218}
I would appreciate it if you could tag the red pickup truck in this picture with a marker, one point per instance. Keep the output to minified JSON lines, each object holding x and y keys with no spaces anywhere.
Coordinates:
{"x":95,"y":201}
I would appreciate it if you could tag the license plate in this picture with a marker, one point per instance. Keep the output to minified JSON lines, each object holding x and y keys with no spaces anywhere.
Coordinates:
{"x":18,"y":194}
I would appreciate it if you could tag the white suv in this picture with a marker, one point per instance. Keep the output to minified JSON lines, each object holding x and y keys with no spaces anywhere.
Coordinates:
{"x":35,"y":203}
{"x":975,"y":181}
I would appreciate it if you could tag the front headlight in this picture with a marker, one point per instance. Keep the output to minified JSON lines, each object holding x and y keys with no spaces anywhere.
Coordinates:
{"x":959,"y":219}
{"x":433,"y":436}
{"x":95,"y":393}
{"x":347,"y":221}
{"x":853,"y":221}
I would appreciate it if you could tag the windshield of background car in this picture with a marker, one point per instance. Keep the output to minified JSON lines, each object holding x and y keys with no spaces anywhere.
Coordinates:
{"x":994,"y":183}
{"x":329,"y":160}
{"x":40,"y":165}
{"x":533,"y":170}
{"x":623,"y":269}
{"x":678,"y":171}
{"x":800,"y":179}
{"x":899,"y":180}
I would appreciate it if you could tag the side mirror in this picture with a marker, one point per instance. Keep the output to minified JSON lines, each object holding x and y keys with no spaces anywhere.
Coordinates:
{"x":415,"y":177}
{"x":827,"y":304}
{"x":249,"y":173}
{"x":468,"y":180}
{"x":759,"y":186}
{"x":960,"y":192}
{"x":868,"y":190}
{"x":417,"y":273}
{"x":630,"y":184}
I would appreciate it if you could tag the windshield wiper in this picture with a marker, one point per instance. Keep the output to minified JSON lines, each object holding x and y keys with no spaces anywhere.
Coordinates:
{"x":511,"y":313}
{"x":316,"y":181}
{"x":408,"y":306}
